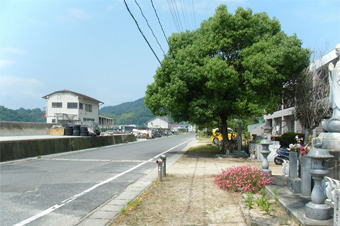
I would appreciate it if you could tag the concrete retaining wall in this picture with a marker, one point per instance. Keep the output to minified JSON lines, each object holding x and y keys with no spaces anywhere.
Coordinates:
{"x":11,"y":150}
{"x":24,"y":128}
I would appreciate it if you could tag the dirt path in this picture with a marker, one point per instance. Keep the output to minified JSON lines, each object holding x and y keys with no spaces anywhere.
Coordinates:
{"x":188,"y":195}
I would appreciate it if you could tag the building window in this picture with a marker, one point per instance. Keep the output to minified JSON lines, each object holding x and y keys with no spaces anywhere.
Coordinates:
{"x":88,"y":107}
{"x":72,"y":105}
{"x":57,"y":105}
{"x":53,"y":120}
{"x":88,"y":120}
{"x":80,"y":105}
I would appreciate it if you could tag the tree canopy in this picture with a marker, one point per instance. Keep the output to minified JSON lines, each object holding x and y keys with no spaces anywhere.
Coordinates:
{"x":234,"y":65}
{"x":21,"y":115}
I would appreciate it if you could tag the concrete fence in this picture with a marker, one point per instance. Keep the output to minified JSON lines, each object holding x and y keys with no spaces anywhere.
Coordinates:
{"x":24,"y":128}
{"x":11,"y":150}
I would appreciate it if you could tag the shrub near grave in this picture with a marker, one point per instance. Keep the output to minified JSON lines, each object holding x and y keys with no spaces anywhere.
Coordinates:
{"x":244,"y":178}
{"x":288,"y":138}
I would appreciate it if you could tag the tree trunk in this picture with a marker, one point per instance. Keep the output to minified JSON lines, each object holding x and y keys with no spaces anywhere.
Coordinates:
{"x":307,"y":133}
{"x":239,"y":137}
{"x":224,"y":132}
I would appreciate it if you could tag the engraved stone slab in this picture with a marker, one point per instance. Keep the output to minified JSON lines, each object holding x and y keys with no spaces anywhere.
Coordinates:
{"x":306,"y":179}
{"x":337,"y":208}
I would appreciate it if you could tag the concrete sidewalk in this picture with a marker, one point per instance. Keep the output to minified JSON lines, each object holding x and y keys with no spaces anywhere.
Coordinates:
{"x":195,"y":176}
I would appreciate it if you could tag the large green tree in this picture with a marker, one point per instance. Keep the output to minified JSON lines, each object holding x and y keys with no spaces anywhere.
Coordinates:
{"x":233,"y":66}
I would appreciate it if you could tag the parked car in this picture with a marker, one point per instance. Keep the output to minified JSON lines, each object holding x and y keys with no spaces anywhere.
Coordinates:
{"x":157,"y":134}
{"x":217,"y":135}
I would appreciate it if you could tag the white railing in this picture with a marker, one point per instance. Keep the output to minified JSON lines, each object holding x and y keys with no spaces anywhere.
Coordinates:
{"x":331,"y":185}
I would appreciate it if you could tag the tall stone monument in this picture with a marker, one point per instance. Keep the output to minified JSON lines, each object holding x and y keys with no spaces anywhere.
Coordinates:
{"x":330,"y":139}
{"x":326,"y":146}
{"x":333,"y":124}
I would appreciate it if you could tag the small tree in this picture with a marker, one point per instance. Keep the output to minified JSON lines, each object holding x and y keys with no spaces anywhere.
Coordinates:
{"x":311,"y":92}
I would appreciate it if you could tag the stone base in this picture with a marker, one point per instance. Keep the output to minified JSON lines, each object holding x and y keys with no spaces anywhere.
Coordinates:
{"x":294,"y":184}
{"x":330,"y":140}
{"x":332,"y":124}
{"x":268,"y":171}
{"x":318,"y":211}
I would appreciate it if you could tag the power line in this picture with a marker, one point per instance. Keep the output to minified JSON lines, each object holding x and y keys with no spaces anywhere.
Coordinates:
{"x":178,"y":19}
{"x":159,"y":21}
{"x":173,"y":17}
{"x":184,"y":14}
{"x":147,"y":22}
{"x":178,"y":15}
{"x":193,"y":13}
{"x":127,"y":7}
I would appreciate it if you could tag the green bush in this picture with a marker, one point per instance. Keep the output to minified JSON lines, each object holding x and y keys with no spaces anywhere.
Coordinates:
{"x":288,"y":138}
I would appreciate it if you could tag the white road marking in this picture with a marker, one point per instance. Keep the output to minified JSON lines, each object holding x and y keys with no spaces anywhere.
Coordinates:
{"x":89,"y":160}
{"x":57,"y":206}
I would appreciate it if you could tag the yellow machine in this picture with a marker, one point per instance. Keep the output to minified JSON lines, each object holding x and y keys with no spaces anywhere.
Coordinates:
{"x":217,"y":135}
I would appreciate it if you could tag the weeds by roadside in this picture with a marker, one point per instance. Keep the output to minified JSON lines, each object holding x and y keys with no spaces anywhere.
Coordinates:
{"x":262,"y":201}
{"x":268,"y":211}
{"x":133,"y":205}
{"x":249,"y":200}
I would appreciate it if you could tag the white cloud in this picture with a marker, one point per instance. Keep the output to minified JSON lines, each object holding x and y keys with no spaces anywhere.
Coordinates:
{"x":8,"y":82}
{"x":79,"y":14}
{"x":64,"y":18}
{"x":74,"y":14}
{"x":6,"y":63}
{"x":13,"y":50}
{"x":18,"y":92}
{"x":110,"y":7}
{"x":38,"y":22}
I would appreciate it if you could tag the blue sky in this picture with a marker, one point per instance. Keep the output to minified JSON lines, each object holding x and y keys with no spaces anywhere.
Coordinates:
{"x":94,"y":47}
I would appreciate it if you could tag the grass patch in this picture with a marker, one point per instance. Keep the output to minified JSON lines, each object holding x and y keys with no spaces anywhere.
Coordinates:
{"x":204,"y":148}
{"x":204,"y":139}
{"x":132,"y":205}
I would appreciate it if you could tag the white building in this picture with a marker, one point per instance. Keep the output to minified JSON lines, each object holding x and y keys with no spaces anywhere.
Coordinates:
{"x":68,"y":107}
{"x":159,"y":123}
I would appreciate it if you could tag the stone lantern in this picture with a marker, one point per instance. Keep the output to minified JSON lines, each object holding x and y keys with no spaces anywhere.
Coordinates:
{"x":265,"y":150}
{"x":316,"y":208}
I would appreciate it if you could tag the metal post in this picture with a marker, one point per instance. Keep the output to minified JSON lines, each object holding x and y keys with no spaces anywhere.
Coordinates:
{"x":163,"y":157}
{"x":159,"y":162}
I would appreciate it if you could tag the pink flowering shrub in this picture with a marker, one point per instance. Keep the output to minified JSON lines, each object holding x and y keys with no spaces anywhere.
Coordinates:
{"x":247,"y":178}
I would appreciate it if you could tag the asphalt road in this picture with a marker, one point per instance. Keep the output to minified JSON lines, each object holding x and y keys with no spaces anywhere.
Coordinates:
{"x":61,"y":189}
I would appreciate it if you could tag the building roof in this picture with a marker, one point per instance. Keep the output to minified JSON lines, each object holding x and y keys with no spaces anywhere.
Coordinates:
{"x":82,"y":96}
{"x":325,"y":59}
{"x":165,"y":119}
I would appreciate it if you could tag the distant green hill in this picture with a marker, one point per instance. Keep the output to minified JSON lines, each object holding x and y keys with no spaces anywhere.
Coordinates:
{"x":21,"y":115}
{"x":128,"y":113}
